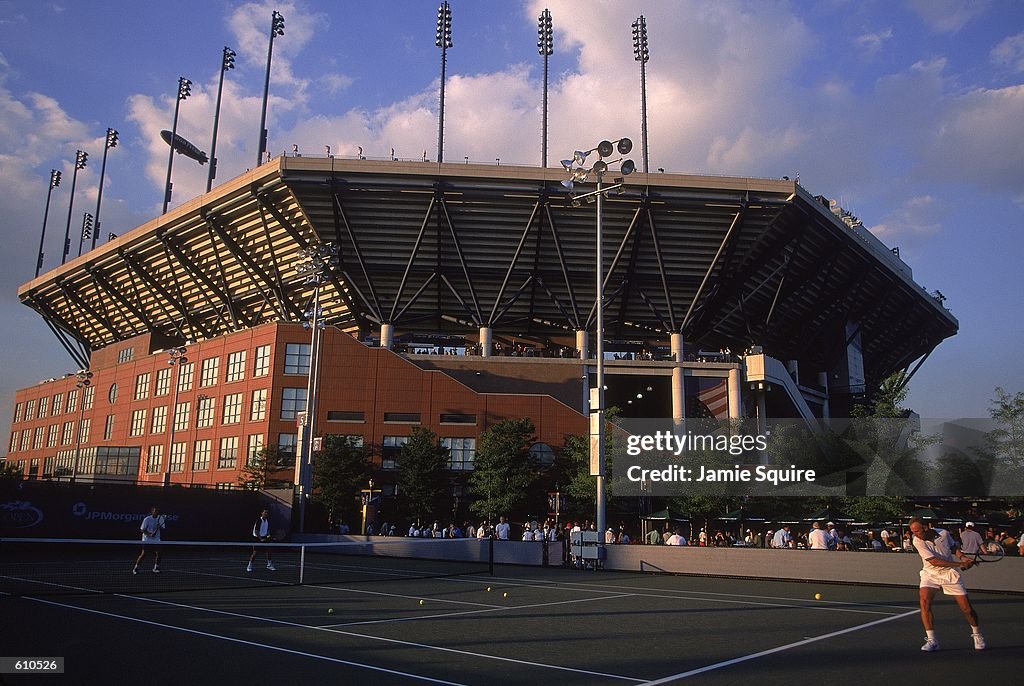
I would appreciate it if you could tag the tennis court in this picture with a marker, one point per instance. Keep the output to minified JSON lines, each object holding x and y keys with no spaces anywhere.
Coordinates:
{"x":553,"y":626}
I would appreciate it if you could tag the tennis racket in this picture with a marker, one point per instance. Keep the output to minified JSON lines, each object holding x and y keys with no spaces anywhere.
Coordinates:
{"x":990,"y":551}
{"x":160,"y":522}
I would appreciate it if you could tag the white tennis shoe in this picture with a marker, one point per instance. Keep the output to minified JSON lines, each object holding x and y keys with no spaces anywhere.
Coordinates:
{"x":249,"y":567}
{"x":930,"y":645}
{"x":979,"y":641}
{"x":271,"y":567}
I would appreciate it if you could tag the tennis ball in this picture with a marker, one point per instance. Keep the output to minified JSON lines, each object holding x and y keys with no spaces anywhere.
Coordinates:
{"x":330,"y":610}
{"x":817,"y":596}
{"x":421,"y":602}
{"x":505,"y":594}
{"x":488,"y":589}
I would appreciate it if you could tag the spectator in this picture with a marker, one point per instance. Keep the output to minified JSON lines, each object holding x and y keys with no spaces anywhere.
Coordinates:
{"x":831,"y":536}
{"x":676,"y":538}
{"x":817,"y":539}
{"x":782,"y":538}
{"x":970,"y":540}
{"x":502,"y":529}
{"x":623,"y":537}
{"x":874,"y":544}
{"x":609,"y":536}
{"x":527,"y":532}
{"x":653,"y":537}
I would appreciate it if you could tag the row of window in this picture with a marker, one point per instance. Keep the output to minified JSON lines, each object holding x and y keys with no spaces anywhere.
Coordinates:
{"x":58,"y":404}
{"x":226,"y":456}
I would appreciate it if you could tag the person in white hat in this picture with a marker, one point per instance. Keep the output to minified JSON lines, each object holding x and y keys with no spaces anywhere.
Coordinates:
{"x":970,"y":540}
{"x":831,"y":536}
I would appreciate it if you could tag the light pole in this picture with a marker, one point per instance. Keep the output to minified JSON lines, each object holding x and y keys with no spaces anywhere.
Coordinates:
{"x":54,"y":182}
{"x":184,"y":90}
{"x":443,"y":41}
{"x":83,"y":379}
{"x":175,"y":358}
{"x":86,"y":231}
{"x":545,"y":46}
{"x":368,"y":498}
{"x":642,"y":55}
{"x":111,"y":142}
{"x":276,"y":29}
{"x":227,"y":62}
{"x":318,"y":263}
{"x":80,"y":159}
{"x":577,"y":171}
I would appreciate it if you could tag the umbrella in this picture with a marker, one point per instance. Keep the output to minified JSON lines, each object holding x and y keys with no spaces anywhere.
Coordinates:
{"x":927,"y":514}
{"x":829,"y":515}
{"x":739,"y":516}
{"x":665,"y":516}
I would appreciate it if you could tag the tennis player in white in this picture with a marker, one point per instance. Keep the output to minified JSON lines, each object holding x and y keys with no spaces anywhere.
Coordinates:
{"x":150,"y":529}
{"x":941,"y":567}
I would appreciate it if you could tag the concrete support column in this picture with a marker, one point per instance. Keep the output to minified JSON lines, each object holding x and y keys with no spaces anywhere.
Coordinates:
{"x":485,"y":341}
{"x":678,"y":381}
{"x":735,"y":400}
{"x":387,"y":336}
{"x":582,"y":344}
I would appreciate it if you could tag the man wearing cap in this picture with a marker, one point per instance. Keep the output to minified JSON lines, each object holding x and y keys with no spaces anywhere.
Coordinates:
{"x":831,"y":537}
{"x":817,"y":539}
{"x":970,"y":540}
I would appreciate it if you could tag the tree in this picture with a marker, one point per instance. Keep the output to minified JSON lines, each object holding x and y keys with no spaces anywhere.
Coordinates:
{"x":503,"y":469}
{"x":423,"y":477}
{"x":1004,"y":445}
{"x":340,"y":470}
{"x":9,"y":470}
{"x":257,"y":472}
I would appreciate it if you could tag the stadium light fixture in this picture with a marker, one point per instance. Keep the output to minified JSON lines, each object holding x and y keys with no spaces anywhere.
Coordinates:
{"x":276,"y":29}
{"x":81,"y":158}
{"x":110,"y":142}
{"x":175,"y":357}
{"x":184,"y":90}
{"x":545,"y":46}
{"x":642,"y":54}
{"x":54,"y":182}
{"x":444,"y":41}
{"x":577,"y":174}
{"x":227,"y":61}
{"x":83,"y":379}
{"x":86,"y":231}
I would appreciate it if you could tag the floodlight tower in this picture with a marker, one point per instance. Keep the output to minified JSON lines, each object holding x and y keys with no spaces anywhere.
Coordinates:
{"x":184,"y":90}
{"x":443,"y":41}
{"x":86,"y":231}
{"x":642,"y":55}
{"x":175,"y":357}
{"x":111,"y":142}
{"x":227,"y":62}
{"x":276,"y":29}
{"x":83,"y":379}
{"x":545,"y":46}
{"x":577,"y":171}
{"x":54,"y":182}
{"x":80,"y":159}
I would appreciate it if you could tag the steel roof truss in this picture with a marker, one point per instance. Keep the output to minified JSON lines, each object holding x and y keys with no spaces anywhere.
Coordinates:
{"x":512,"y":264}
{"x":165,"y":295}
{"x":412,"y":258}
{"x":415,"y":297}
{"x":373,"y":303}
{"x":462,"y":260}
{"x":711,"y":266}
{"x":446,"y":282}
{"x":209,"y":286}
{"x":104,"y":284}
{"x":97,"y":317}
{"x":512,"y":300}
{"x":574,"y":319}
{"x":664,"y":277}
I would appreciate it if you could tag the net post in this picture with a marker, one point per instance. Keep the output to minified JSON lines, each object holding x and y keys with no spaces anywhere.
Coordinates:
{"x":302,"y":564}
{"x":490,"y":556}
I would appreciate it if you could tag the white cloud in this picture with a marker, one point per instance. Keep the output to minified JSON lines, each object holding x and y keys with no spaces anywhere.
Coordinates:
{"x":1010,"y":53}
{"x":872,"y":43}
{"x":947,"y":16}
{"x":916,"y":217}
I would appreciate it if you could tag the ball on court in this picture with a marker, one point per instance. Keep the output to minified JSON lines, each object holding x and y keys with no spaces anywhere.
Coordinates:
{"x":817,"y":596}
{"x":505,"y":594}
{"x":488,"y":589}
{"x":421,"y":602}
{"x":330,"y":610}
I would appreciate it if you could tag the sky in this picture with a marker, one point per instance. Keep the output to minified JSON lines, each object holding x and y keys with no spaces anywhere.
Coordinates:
{"x":909,"y":112}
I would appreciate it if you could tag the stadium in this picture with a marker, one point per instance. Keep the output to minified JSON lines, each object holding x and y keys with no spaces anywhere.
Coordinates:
{"x":461,"y":294}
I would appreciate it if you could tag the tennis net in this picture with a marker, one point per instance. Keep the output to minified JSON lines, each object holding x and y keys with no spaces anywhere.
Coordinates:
{"x":32,"y":566}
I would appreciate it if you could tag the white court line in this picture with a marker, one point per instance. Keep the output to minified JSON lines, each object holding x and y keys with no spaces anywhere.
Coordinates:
{"x":664,"y":593}
{"x":313,"y":627}
{"x":770,"y":651}
{"x":50,"y":583}
{"x":477,"y":612}
{"x":254,"y":644}
{"x":343,"y":589}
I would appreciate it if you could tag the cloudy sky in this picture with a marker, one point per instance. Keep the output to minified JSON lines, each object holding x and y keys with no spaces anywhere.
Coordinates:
{"x":911,"y":113}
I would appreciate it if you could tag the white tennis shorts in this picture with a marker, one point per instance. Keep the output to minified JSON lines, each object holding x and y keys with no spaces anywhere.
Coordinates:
{"x":948,"y":579}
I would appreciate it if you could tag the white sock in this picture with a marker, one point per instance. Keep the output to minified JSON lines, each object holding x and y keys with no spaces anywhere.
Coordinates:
{"x":930,"y":633}
{"x":975,"y":631}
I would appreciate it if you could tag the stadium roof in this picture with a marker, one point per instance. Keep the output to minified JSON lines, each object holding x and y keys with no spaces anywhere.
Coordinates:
{"x":448,"y":248}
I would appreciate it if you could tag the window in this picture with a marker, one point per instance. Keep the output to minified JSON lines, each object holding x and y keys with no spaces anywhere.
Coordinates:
{"x":286,"y":444}
{"x":208,"y":373}
{"x":454,"y":418}
{"x":159,"y":424}
{"x":186,"y":376}
{"x":201,"y":456}
{"x":261,"y":367}
{"x":67,"y":435}
{"x":236,"y":366}
{"x":177,"y":457}
{"x":84,"y":427}
{"x":142,"y":386}
{"x":409,"y":417}
{"x":138,"y":426}
{"x":232,"y":409}
{"x":293,"y":401}
{"x":463,"y":451}
{"x":542,"y":454}
{"x":17,"y":412}
{"x":118,"y":461}
{"x":339,"y":416}
{"x":258,"y":409}
{"x":181,"y":412}
{"x":228,"y":456}
{"x":163,"y":381}
{"x":87,"y":397}
{"x":44,"y":407}
{"x":296,"y":358}
{"x":204,"y":412}
{"x":14,"y":442}
{"x":30,"y":409}
{"x":253,"y":448}
{"x":37,"y":440}
{"x":108,"y":428}
{"x":51,"y":436}
{"x":72,"y":401}
{"x":112,"y":394}
{"x":125,"y":355}
{"x":154,"y":459}
{"x":33,"y":468}
{"x":57,"y":405}
{"x":26,"y":438}
{"x":389,"y":450}
{"x":354,"y":440}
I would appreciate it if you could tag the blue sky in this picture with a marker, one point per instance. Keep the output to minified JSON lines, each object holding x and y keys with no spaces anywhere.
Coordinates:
{"x":911,"y":113}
